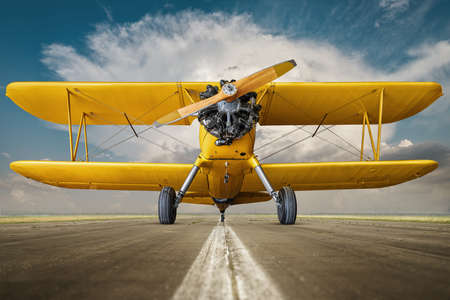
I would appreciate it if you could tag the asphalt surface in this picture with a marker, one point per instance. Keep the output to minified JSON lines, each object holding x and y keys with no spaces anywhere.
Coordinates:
{"x":314,"y":259}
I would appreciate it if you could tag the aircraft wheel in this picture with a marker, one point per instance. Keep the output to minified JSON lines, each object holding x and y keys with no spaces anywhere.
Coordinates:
{"x":167,"y":211}
{"x":287,"y":211}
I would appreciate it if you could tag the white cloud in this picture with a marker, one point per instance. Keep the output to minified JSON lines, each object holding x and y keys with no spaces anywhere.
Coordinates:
{"x":18,"y":195}
{"x":394,"y":11}
{"x":108,"y":11}
{"x":194,"y":46}
{"x":391,"y":8}
{"x":5,"y":154}
{"x":405,"y":143}
{"x":427,"y":61}
{"x":394,"y":6}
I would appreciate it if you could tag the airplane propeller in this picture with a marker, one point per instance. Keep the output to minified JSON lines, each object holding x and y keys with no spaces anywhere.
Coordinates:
{"x":230,"y":91}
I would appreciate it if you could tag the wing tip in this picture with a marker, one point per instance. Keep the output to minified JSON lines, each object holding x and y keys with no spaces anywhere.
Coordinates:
{"x":9,"y":87}
{"x":17,"y":166}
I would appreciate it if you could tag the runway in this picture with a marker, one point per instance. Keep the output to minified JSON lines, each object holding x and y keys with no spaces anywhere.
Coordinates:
{"x":251,"y":257}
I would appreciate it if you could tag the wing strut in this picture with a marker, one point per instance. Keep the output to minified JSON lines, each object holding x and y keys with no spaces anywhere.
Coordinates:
{"x":129,"y":123}
{"x":73,"y":152}
{"x":376,"y":152}
{"x":321,"y":122}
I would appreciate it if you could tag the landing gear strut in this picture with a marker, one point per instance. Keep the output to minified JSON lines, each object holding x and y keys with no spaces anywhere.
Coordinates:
{"x":285,"y":198}
{"x":186,"y":184}
{"x":222,"y":216}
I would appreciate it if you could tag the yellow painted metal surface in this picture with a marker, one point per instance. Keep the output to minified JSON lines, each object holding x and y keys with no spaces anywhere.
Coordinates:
{"x":104,"y":102}
{"x":198,"y":198}
{"x":283,"y":104}
{"x":246,"y":197}
{"x":231,"y":159}
{"x":152,"y":177}
{"x":339,"y":175}
{"x":299,"y":103}
{"x":293,"y":103}
{"x":109,"y":176}
{"x":239,"y":149}
{"x":215,"y":171}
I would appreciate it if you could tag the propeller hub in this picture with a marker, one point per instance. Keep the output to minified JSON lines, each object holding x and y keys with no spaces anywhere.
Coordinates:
{"x":229,"y":89}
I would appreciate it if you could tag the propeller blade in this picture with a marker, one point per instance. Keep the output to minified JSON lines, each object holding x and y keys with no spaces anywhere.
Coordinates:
{"x":230,"y":91}
{"x":260,"y":78}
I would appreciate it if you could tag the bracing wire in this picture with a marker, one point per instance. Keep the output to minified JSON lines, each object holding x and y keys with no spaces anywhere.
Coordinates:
{"x":279,"y":138}
{"x":325,"y":128}
{"x":347,"y":142}
{"x":97,"y":151}
{"x":293,"y":144}
{"x":263,"y":146}
{"x":158,"y":145}
{"x":141,"y":136}
{"x":336,"y":145}
{"x":122,"y":128}
{"x":120,"y":142}
{"x":321,"y":138}
{"x":173,"y":138}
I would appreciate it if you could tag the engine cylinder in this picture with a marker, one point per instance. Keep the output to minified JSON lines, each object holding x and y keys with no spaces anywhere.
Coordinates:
{"x":229,"y":120}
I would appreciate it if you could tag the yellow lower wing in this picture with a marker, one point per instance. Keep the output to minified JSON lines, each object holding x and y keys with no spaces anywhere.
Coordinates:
{"x":339,"y":175}
{"x":152,"y":177}
{"x":110,"y":176}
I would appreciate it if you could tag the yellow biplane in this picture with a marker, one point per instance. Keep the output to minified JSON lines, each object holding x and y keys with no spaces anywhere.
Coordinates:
{"x":226,"y":172}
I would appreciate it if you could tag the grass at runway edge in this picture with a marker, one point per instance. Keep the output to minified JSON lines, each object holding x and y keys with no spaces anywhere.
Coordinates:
{"x":68,"y":218}
{"x":76,"y":218}
{"x":445,"y":219}
{"x":424,"y":219}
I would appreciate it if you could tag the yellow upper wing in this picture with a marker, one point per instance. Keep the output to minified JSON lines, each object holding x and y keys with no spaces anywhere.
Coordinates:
{"x":104,"y":102}
{"x":293,"y":103}
{"x":306,"y":103}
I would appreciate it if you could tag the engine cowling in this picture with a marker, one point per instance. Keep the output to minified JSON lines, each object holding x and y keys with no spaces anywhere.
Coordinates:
{"x":229,"y":120}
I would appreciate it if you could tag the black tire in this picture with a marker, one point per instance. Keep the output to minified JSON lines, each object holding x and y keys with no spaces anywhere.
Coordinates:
{"x":287,"y":211}
{"x":167,"y":211}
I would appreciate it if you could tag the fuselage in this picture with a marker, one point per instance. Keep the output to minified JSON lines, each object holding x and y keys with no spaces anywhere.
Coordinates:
{"x":226,"y":165}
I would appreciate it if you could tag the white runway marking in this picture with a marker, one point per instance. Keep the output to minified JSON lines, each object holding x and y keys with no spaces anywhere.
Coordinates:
{"x":224,"y":269}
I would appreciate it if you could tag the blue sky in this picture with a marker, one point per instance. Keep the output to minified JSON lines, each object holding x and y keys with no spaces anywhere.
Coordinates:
{"x":335,"y":41}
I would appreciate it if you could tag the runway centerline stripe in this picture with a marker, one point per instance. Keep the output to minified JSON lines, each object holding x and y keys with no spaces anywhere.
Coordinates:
{"x":224,"y":269}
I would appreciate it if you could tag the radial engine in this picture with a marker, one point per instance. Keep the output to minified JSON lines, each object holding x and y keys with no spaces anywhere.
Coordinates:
{"x":229,"y":120}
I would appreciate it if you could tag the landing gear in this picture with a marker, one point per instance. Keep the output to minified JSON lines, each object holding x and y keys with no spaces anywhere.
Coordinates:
{"x":287,"y":210}
{"x":167,"y":210}
{"x":222,"y":216}
{"x":186,"y":185}
{"x":285,"y":198}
